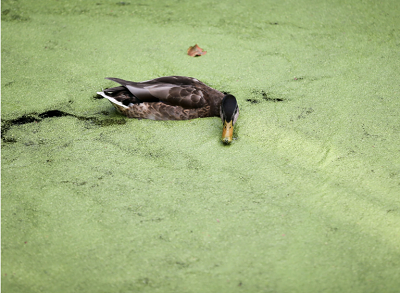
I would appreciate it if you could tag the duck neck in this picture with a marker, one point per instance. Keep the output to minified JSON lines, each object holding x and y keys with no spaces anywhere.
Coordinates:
{"x":216,"y":104}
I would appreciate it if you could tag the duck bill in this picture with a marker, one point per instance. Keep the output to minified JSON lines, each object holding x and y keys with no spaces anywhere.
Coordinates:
{"x":227,"y":132}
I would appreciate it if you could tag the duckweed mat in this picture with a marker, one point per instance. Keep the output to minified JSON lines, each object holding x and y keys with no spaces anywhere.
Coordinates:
{"x":306,"y":199}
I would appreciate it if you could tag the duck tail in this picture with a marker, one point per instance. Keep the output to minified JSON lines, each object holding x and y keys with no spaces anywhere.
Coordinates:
{"x":118,"y":105}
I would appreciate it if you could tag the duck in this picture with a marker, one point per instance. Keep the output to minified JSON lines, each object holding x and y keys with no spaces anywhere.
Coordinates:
{"x":173,"y":98}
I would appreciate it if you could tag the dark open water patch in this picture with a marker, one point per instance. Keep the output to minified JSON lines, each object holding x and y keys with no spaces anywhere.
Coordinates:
{"x":38,"y":117}
{"x":262,"y":95}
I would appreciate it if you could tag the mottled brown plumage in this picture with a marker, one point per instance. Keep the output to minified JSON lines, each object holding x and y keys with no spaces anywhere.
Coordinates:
{"x":171,"y":98}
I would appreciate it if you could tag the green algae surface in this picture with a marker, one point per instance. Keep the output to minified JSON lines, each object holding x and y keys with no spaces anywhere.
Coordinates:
{"x":306,"y":199}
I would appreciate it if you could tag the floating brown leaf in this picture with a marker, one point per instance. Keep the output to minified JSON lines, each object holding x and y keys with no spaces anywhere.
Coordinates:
{"x":195,"y":51}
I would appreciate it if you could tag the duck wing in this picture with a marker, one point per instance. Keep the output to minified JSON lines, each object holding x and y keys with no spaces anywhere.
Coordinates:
{"x":172,"y":90}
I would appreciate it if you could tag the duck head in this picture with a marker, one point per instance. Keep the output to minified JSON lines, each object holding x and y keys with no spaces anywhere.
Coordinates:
{"x":229,"y":114}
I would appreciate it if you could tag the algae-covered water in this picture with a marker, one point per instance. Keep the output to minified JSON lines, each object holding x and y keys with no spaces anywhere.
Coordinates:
{"x":306,"y":199}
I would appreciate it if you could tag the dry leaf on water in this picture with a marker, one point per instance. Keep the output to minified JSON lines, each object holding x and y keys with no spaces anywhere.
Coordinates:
{"x":195,"y":51}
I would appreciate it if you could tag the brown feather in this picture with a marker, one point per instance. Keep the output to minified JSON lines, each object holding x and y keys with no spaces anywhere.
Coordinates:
{"x":166,"y":98}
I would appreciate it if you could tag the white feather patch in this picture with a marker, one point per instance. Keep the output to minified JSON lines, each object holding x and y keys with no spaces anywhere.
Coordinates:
{"x":112,"y":100}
